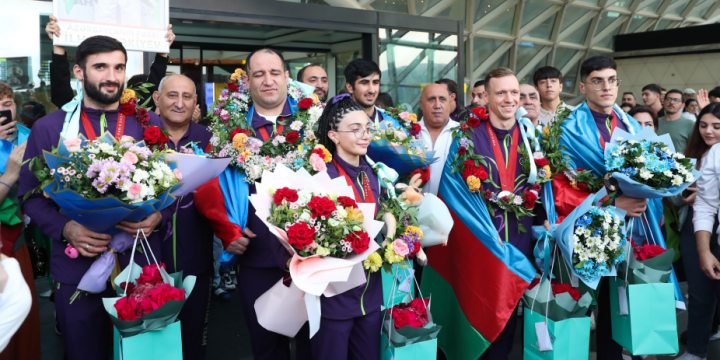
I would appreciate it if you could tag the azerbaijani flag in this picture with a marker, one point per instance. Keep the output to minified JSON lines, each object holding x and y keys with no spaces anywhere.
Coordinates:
{"x":476,"y":280}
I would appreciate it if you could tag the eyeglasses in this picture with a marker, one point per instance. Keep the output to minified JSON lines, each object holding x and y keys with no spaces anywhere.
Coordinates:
{"x":599,"y":84}
{"x":676,"y":101}
{"x":360,"y":132}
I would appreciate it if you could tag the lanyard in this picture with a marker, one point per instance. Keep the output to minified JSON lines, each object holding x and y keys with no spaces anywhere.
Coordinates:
{"x":507,"y":177}
{"x":90,"y":132}
{"x":368,"y":196}
{"x":264,"y":133}
{"x":613,"y":124}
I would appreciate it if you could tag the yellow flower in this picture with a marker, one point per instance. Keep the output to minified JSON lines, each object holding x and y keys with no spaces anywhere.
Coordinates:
{"x":546,"y":131}
{"x":548,"y":173}
{"x":315,"y":98}
{"x":414,"y":229}
{"x":328,"y":156}
{"x":239,"y":73}
{"x":246,"y":153}
{"x":300,"y":148}
{"x":392,"y":257}
{"x":412,"y":118}
{"x":127,"y":94}
{"x":239,"y":141}
{"x":356,"y":215}
{"x":373,"y":262}
{"x":473,"y":183}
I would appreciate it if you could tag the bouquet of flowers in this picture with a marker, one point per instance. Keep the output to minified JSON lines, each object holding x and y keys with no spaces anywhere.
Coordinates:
{"x":155,"y":137}
{"x":649,"y":264}
{"x":330,"y":234}
{"x":402,"y":237}
{"x":102,"y":182}
{"x":409,"y":323}
{"x":399,"y":146}
{"x":646,"y":165}
{"x":231,"y":125}
{"x":566,"y":302}
{"x":591,"y":238}
{"x":147,"y":294}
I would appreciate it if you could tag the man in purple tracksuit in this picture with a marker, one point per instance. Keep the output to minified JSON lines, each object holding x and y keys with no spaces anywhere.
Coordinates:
{"x":86,"y":327}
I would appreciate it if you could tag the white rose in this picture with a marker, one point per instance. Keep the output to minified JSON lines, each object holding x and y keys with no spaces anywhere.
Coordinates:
{"x":140,"y":175}
{"x":255,"y":171}
{"x":305,"y":217}
{"x":333,"y":223}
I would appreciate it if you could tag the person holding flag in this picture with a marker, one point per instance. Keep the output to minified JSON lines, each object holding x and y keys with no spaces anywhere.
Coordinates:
{"x":583,"y":133}
{"x":493,"y":200}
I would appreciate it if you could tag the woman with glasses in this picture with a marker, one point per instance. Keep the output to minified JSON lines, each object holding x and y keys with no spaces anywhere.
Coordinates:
{"x":350,"y":323}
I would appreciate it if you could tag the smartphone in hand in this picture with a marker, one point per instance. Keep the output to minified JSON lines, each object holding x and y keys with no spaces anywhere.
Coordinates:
{"x":7,"y":114}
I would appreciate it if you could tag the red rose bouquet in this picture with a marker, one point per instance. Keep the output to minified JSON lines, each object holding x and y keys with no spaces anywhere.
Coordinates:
{"x":149,"y":294}
{"x":649,"y":264}
{"x":562,"y":301}
{"x":647,"y":251}
{"x":407,"y":321}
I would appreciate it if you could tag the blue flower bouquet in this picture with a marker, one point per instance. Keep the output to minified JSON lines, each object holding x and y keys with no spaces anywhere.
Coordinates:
{"x":647,"y":166}
{"x":395,"y":149}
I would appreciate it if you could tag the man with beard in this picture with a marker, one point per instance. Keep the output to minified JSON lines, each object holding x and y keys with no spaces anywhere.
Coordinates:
{"x":457,"y":111}
{"x":477,"y":94}
{"x":187,"y":245}
{"x":530,"y":100}
{"x":262,"y":260}
{"x":316,"y":76}
{"x":673,"y":122}
{"x":362,"y":81}
{"x":100,"y":67}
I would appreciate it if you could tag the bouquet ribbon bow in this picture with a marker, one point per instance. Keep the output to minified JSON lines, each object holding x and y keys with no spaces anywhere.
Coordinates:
{"x":385,"y":174}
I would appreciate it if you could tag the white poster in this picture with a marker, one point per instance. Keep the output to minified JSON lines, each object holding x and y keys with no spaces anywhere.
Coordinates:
{"x":139,"y":24}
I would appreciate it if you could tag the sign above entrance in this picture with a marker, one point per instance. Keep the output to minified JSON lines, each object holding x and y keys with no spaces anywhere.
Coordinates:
{"x":140,"y":25}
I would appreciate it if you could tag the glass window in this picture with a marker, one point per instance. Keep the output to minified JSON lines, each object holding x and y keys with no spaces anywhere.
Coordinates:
{"x":544,"y":30}
{"x":483,"y":48}
{"x":572,"y":14}
{"x":578,"y":36}
{"x":525,"y":52}
{"x":411,"y":59}
{"x":653,"y":7}
{"x":570,"y":79}
{"x":503,"y":22}
{"x":562,"y":56}
{"x":623,"y":4}
{"x":395,"y":6}
{"x":483,"y":7}
{"x":528,"y":78}
{"x":594,"y":2}
{"x":678,"y":10}
{"x":607,"y":18}
{"x":637,"y":21}
{"x":503,"y":61}
{"x":341,"y":61}
{"x":663,"y":24}
{"x":608,"y":41}
{"x":532,"y":9}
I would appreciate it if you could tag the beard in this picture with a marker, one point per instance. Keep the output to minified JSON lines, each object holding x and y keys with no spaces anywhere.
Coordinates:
{"x":322,"y":94}
{"x":364,"y":103}
{"x":94,"y":92}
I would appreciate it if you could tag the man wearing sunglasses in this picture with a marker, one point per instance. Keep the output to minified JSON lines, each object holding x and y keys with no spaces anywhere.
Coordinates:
{"x":673,"y":122}
{"x":584,"y":134}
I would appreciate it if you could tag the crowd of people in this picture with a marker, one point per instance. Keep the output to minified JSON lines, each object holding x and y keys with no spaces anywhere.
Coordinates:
{"x":190,"y":235}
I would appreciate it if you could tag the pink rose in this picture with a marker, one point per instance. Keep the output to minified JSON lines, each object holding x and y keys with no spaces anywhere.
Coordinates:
{"x":400,"y":248}
{"x":404,"y":115}
{"x":178,"y":174}
{"x":126,"y":138}
{"x":72,"y":145}
{"x":130,"y":157}
{"x":134,"y":191}
{"x":317,"y":163}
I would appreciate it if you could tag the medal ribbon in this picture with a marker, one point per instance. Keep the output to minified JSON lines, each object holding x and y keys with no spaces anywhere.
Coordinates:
{"x":368,"y":196}
{"x":90,"y":132}
{"x":611,"y":128}
{"x":507,"y":177}
{"x":264,"y":134}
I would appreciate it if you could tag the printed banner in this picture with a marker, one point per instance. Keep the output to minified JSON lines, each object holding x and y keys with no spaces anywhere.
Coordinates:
{"x":140,"y":25}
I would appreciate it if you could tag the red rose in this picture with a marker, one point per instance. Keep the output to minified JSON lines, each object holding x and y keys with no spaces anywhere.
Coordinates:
{"x":536,"y":187}
{"x":574,"y":293}
{"x":305,"y":103}
{"x":470,"y":164}
{"x":416,"y":320}
{"x":541,"y":162}
{"x":239,"y":131}
{"x":505,"y":199}
{"x":146,"y":306}
{"x":481,"y":174}
{"x":285,"y":194}
{"x":153,"y":135}
{"x":579,"y":169}
{"x":462,"y":150}
{"x":232,"y":87}
{"x":605,"y":199}
{"x":128,"y":109}
{"x":560,"y":219}
{"x":209,"y":148}
{"x":150,"y":275}
{"x":347,"y":202}
{"x":292,"y":137}
{"x":488,"y":194}
{"x":424,"y":174}
{"x":394,"y":111}
{"x":529,"y":205}
{"x":473,"y":121}
{"x":401,"y":318}
{"x":420,"y":306}
{"x":480,"y":112}
{"x":529,"y":196}
{"x":416,"y":249}
{"x":583,"y":187}
{"x":533,"y":283}
{"x":126,"y":308}
{"x":142,"y":117}
{"x":165,"y":293}
{"x":415,"y":129}
{"x":464,"y":127}
{"x":360,"y":241}
{"x":130,"y":288}
{"x":468,"y":172}
{"x":321,"y":206}
{"x":300,"y":234}
{"x":319,"y":152}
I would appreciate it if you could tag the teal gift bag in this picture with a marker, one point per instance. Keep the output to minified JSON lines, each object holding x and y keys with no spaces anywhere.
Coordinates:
{"x":650,"y":326}
{"x":165,"y":344}
{"x":394,"y":283}
{"x":570,"y":338}
{"x":425,"y":350}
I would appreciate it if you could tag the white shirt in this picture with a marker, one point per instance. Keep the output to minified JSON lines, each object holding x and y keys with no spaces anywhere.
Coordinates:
{"x":708,"y":196}
{"x":441,"y":148}
{"x":547,"y":117}
{"x":272,"y":119}
{"x":15,"y":302}
{"x":690,"y":116}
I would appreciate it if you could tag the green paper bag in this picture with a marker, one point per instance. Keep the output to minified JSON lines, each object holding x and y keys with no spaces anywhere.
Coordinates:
{"x":424,"y":350}
{"x":165,"y":344}
{"x":570,"y":338}
{"x":651,"y":325}
{"x":390,"y":284}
